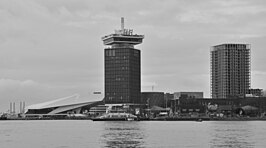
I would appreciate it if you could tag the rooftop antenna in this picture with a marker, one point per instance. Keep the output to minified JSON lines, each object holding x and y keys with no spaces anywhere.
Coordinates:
{"x":122,"y":23}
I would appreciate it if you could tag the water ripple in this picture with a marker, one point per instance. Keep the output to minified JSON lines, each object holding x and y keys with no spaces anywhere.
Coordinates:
{"x":123,"y":134}
{"x":232,"y":136}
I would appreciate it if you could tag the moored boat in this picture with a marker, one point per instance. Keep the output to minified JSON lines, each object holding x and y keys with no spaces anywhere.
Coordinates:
{"x":116,"y":117}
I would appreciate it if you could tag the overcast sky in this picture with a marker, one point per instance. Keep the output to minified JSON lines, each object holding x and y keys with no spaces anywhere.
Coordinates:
{"x":52,"y":48}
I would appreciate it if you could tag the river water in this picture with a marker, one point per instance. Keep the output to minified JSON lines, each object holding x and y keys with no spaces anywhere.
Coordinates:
{"x":150,"y":134}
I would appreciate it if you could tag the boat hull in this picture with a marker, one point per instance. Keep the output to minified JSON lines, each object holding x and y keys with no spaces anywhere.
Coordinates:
{"x":112,"y":119}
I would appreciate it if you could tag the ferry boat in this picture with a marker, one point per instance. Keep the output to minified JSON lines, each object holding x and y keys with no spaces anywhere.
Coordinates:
{"x":116,"y":117}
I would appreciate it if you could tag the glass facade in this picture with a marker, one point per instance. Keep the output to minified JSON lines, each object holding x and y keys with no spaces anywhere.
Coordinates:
{"x":122,"y":75}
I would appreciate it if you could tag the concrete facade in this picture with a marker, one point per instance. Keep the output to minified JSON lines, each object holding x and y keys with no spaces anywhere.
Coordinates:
{"x":230,"y":70}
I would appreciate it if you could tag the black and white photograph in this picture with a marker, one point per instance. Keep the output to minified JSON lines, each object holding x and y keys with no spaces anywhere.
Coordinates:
{"x":132,"y":73}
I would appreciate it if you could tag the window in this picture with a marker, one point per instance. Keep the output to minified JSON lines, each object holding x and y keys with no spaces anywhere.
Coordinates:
{"x":110,"y":53}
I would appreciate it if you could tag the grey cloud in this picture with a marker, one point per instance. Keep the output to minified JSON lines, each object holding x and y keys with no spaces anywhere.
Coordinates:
{"x":57,"y":43}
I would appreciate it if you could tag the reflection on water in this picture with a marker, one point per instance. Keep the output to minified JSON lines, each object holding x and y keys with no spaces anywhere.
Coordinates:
{"x":122,"y":134}
{"x":233,"y":135}
{"x":146,"y":134}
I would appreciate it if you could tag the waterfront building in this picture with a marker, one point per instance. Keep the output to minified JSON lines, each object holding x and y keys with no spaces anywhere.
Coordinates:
{"x":153,"y":99}
{"x":122,"y":67}
{"x":226,"y":106}
{"x":255,"y":92}
{"x":177,"y":95}
{"x":167,"y":98}
{"x":230,"y":70}
{"x":61,"y":107}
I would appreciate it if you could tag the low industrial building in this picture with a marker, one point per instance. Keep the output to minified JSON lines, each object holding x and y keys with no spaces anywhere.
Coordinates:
{"x":255,"y":92}
{"x":153,"y":99}
{"x":177,"y":95}
{"x":250,"y":106}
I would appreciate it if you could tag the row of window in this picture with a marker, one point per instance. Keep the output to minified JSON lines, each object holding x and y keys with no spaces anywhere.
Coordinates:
{"x":128,"y":39}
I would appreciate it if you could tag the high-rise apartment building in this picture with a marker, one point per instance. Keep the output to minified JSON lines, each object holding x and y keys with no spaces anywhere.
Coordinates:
{"x":122,"y":67}
{"x":230,"y":70}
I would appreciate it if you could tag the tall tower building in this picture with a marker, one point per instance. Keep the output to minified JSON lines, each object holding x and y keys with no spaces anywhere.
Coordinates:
{"x":230,"y":70}
{"x":122,"y":66}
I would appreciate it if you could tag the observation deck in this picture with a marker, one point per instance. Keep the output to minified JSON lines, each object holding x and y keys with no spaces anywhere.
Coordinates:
{"x":123,"y":36}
